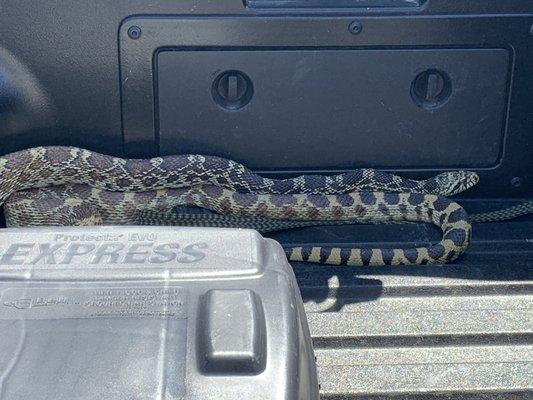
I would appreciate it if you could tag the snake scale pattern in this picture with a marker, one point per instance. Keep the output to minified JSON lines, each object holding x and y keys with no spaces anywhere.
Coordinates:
{"x":72,"y":186}
{"x":197,"y":216}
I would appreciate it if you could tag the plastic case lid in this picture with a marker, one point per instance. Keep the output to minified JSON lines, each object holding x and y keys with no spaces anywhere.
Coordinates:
{"x":150,"y":313}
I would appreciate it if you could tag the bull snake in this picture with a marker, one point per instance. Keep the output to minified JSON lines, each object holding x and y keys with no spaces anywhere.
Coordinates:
{"x":72,"y":186}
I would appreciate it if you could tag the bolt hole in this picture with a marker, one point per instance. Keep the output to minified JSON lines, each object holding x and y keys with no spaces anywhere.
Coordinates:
{"x":134,"y":32}
{"x":516,"y":182}
{"x":355,"y":27}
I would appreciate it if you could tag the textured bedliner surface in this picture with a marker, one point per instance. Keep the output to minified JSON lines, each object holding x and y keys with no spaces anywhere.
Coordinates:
{"x":458,"y":331}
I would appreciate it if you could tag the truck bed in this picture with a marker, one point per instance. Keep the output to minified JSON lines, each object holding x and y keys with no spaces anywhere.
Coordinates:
{"x":457,"y":331}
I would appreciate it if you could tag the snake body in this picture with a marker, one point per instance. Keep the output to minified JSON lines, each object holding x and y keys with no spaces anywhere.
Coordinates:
{"x":198,"y":216}
{"x":71,"y":186}
{"x":52,"y":166}
{"x":83,"y":205}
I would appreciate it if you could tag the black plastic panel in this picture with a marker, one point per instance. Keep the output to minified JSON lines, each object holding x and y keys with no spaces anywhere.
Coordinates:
{"x":327,"y":109}
{"x":482,"y":124}
{"x":93,"y":86}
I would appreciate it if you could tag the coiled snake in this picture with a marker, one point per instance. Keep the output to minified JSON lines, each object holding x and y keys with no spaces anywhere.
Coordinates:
{"x":71,"y":186}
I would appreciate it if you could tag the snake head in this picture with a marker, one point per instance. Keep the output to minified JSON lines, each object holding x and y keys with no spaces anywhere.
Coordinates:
{"x":454,"y":182}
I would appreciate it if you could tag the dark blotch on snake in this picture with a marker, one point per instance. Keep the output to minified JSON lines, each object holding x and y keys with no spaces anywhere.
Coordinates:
{"x":234,"y":175}
{"x":262,"y":209}
{"x":344,"y":200}
{"x":368,"y":198}
{"x":324,"y":254}
{"x":48,"y":202}
{"x":315,"y":182}
{"x":352,"y":177}
{"x":457,"y":215}
{"x":388,"y":255}
{"x":318,"y":201}
{"x":85,"y":191}
{"x":457,"y":236}
{"x":360,"y":211}
{"x":383,"y":209}
{"x":282,"y":186}
{"x":289,"y":212}
{"x":366,"y":256}
{"x":173,"y":178}
{"x":176,"y":163}
{"x":345,"y":255}
{"x":19,"y":160}
{"x":225,"y":205}
{"x":411,"y":255}
{"x":450,"y":256}
{"x":104,"y":163}
{"x":441,"y":203}
{"x":139,"y":168}
{"x":123,"y":183}
{"x":283,"y":200}
{"x":436,"y":251}
{"x":151,"y":181}
{"x":62,"y":154}
{"x":244,"y":199}
{"x":165,"y":164}
{"x":391,"y":198}
{"x":384,"y":177}
{"x":337,"y":212}
{"x":306,"y":253}
{"x":222,"y":181}
{"x":415,"y":199}
{"x":146,"y":197}
{"x":213,"y":191}
{"x":312,"y":212}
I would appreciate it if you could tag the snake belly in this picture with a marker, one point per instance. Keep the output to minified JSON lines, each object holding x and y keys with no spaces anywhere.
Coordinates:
{"x":86,"y":205}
